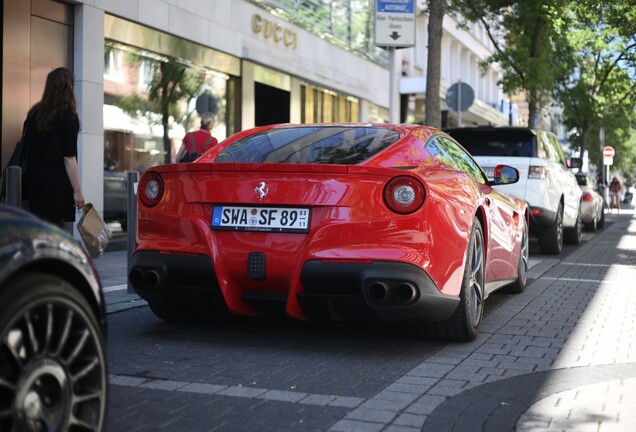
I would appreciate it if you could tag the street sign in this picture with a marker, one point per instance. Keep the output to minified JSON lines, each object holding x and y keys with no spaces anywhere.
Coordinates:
{"x":608,"y":160}
{"x":395,"y":23}
{"x":608,"y":152}
{"x":460,"y":96}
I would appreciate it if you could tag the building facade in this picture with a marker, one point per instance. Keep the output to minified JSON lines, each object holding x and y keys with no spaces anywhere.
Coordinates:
{"x":147,"y":69}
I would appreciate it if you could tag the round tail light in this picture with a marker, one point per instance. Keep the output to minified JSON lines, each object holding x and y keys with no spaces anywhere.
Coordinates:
{"x":150,"y":189}
{"x":587,"y":197}
{"x":404,"y":194}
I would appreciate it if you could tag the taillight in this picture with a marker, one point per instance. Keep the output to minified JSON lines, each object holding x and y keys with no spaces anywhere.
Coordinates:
{"x":150,"y":189}
{"x":404,"y":194}
{"x":587,"y":196}
{"x":537,"y":172}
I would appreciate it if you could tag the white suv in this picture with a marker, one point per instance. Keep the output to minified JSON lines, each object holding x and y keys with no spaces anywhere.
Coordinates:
{"x":545,"y":182}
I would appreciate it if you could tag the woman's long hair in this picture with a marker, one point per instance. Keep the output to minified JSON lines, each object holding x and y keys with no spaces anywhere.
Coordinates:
{"x":57,"y":98}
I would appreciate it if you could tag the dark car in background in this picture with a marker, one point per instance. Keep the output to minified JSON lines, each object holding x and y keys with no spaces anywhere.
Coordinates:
{"x":53,"y":372}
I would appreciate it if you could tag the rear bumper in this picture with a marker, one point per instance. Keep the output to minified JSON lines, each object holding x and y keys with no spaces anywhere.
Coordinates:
{"x":541,"y":218}
{"x":172,"y":278}
{"x":378,"y":290}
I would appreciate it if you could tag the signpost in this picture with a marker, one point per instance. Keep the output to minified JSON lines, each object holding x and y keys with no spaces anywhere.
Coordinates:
{"x":395,"y":23}
{"x":394,"y":28}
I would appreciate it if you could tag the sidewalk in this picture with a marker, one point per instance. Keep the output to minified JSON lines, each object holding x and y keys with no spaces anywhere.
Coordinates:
{"x":560,"y":356}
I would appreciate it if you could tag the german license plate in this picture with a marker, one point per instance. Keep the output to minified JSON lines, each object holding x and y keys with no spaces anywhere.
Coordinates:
{"x":270,"y":219}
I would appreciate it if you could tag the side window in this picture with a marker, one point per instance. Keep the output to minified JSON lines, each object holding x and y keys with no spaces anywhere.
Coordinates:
{"x":548,"y":147}
{"x":436,"y":147}
{"x":465,"y":161}
{"x":557,"y":150}
{"x":456,"y":156}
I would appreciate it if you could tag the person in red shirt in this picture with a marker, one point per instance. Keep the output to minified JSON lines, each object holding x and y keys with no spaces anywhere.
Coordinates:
{"x":196,"y":142}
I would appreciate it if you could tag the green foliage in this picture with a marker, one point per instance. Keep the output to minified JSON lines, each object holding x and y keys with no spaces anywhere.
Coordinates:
{"x":529,"y":40}
{"x":601,"y":90}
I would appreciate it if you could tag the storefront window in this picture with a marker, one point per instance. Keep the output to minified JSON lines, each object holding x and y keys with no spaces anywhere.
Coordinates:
{"x":151,"y":101}
{"x":322,"y":106}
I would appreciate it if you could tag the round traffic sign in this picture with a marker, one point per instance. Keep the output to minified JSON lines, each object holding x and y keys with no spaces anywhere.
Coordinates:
{"x":460,"y":96}
{"x":608,"y":151}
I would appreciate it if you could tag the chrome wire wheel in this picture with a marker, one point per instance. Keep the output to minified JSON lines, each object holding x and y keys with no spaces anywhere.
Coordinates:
{"x":52,"y":362}
{"x":476,"y":279}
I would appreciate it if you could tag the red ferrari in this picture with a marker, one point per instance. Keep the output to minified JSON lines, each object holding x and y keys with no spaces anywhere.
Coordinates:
{"x":330,"y":221}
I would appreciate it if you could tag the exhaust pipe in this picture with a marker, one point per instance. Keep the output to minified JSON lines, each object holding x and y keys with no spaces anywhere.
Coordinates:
{"x":145,"y":280}
{"x":151,"y":279}
{"x":136,"y":276}
{"x":378,"y":291}
{"x":406,"y":292}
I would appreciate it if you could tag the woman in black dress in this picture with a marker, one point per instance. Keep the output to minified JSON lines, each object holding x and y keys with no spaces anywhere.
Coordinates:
{"x":52,"y":179}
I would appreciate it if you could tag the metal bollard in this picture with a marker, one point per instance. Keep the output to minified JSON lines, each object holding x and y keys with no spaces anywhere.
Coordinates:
{"x":14,"y":186}
{"x":133,"y":180}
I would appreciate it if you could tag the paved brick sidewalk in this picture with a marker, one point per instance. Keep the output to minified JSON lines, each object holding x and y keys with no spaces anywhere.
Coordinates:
{"x":560,"y":356}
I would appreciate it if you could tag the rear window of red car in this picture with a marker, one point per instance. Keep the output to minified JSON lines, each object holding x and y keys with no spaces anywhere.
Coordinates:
{"x":311,"y":144}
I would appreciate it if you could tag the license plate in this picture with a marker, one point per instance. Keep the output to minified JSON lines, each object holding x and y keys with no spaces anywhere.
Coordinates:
{"x":269,"y":219}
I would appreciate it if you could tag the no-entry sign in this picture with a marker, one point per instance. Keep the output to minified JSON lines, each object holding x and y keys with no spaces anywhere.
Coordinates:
{"x":608,"y":152}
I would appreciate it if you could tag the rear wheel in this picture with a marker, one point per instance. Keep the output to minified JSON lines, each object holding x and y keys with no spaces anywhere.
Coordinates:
{"x":53,"y":373}
{"x":551,"y":238}
{"x":601,"y":221}
{"x":591,"y":226}
{"x":463,"y":325}
{"x":522,"y":268}
{"x":573,"y":235}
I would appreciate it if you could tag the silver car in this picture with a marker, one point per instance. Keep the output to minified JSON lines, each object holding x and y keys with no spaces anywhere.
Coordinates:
{"x":592,"y":203}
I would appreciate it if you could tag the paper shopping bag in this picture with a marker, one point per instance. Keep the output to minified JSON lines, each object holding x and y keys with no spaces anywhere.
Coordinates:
{"x":94,"y":231}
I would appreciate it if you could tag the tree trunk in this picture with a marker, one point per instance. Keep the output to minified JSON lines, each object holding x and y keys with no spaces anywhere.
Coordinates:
{"x":433,"y":115}
{"x":532,"y":110}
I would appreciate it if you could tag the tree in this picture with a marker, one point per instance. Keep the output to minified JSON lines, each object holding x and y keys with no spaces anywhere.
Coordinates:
{"x":432,"y":115}
{"x":529,"y":41}
{"x":602,"y":90}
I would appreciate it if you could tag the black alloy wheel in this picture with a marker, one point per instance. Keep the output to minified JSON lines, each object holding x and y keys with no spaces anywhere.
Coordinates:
{"x":53,"y":373}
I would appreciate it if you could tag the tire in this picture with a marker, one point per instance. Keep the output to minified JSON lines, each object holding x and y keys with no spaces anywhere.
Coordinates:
{"x":551,"y":238}
{"x":573,"y":235}
{"x":53,"y":370}
{"x":463,"y":325}
{"x":601,"y":222}
{"x":519,"y":285}
{"x":592,"y":226}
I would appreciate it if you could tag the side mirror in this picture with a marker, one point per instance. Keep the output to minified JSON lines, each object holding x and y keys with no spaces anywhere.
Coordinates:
{"x":504,"y":174}
{"x":576,"y":163}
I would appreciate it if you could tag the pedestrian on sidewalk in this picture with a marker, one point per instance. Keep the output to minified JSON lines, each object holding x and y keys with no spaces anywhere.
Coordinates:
{"x":52,"y":180}
{"x":195,"y":143}
{"x":615,"y":189}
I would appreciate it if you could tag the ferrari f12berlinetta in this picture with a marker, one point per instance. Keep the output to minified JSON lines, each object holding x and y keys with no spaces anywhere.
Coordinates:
{"x":330,"y":221}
